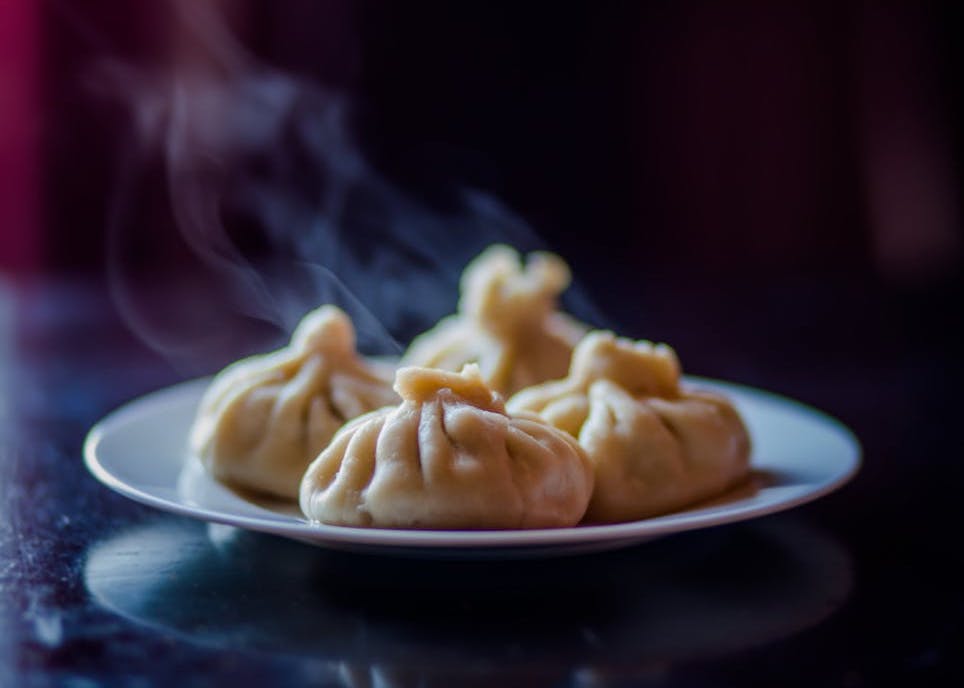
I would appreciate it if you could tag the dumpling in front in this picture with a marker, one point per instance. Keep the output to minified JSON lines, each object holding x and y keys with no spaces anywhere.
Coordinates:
{"x":448,"y":457}
{"x":656,"y":445}
{"x":265,"y":418}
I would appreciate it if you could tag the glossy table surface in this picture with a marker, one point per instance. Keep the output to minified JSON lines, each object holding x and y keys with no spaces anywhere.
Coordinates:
{"x":861,"y":588}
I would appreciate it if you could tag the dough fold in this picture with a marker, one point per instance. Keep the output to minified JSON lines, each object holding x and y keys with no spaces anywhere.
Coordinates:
{"x":656,"y":446}
{"x":507,"y":322}
{"x":265,"y":418}
{"x":448,"y":457}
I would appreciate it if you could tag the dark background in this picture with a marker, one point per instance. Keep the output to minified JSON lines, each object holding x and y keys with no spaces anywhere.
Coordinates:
{"x":712,"y":147}
{"x":773,"y":188}
{"x":734,"y":141}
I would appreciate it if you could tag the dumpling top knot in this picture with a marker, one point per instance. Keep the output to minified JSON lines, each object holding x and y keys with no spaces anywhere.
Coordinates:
{"x":423,"y":384}
{"x":656,"y":444}
{"x":265,"y":418}
{"x":640,"y":367}
{"x":504,"y":294}
{"x":507,"y":323}
{"x":327,"y":329}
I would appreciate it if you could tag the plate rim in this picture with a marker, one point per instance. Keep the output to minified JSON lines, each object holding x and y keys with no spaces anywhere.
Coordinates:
{"x":322,"y":534}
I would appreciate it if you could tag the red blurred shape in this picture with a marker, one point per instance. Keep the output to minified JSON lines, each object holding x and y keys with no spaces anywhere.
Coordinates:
{"x":20,"y":234}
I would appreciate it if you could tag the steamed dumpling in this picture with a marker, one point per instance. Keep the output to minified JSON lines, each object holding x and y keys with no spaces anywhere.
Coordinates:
{"x":448,"y":457}
{"x":263,"y":419}
{"x":507,"y":322}
{"x":656,"y":446}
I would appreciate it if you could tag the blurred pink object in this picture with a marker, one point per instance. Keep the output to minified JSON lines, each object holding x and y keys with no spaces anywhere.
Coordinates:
{"x":907,"y":161}
{"x":20,"y":234}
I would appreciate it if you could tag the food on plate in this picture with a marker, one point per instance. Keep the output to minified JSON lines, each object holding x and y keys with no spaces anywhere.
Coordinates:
{"x":507,"y":322}
{"x":600,"y":428}
{"x":656,"y":445}
{"x":448,"y":457}
{"x":265,"y":418}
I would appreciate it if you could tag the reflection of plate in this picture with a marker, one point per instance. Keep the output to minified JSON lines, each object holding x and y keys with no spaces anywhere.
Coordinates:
{"x":594,"y":621}
{"x":139,"y":451}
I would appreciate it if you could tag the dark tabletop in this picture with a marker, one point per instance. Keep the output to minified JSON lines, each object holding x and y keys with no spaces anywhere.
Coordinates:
{"x":860,"y":588}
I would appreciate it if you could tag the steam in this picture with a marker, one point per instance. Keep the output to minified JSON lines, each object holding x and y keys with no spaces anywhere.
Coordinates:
{"x":278,"y":210}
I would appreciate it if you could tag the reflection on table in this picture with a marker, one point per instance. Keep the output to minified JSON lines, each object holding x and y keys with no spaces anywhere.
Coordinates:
{"x":370,"y":621}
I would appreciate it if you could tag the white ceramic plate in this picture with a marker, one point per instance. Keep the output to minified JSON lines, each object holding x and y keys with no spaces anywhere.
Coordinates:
{"x":139,"y":450}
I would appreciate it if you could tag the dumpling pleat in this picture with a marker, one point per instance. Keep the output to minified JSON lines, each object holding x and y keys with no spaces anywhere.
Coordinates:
{"x":262,"y":421}
{"x":449,"y":457}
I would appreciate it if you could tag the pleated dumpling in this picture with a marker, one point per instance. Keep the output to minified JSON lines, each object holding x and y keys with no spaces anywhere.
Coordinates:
{"x":448,"y":457}
{"x":656,"y":445}
{"x":265,"y":418}
{"x":507,"y":322}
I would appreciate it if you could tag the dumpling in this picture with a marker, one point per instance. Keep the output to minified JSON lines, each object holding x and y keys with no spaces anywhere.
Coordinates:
{"x":448,"y":457}
{"x":656,"y":446}
{"x":263,"y":419}
{"x":507,"y":322}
